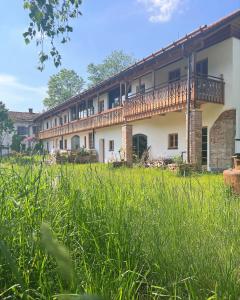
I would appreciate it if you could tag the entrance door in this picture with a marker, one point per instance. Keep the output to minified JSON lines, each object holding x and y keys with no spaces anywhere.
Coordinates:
{"x":101,"y":150}
{"x":204,"y":145}
{"x":139,"y":144}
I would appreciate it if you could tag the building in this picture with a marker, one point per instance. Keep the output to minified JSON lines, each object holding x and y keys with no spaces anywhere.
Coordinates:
{"x":24,"y":127}
{"x":182,"y":100}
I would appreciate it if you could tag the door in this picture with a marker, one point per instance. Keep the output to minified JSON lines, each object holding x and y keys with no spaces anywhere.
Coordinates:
{"x":101,"y":150}
{"x":139,"y":144}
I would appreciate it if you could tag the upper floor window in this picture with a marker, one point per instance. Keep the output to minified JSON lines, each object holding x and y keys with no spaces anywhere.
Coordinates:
{"x":73,"y":113}
{"x":173,"y":141}
{"x":22,"y":130}
{"x":65,"y":118}
{"x":55,"y":122}
{"x":202,"y":67}
{"x":174,"y":75}
{"x":141,"y":89}
{"x":90,"y":103}
{"x":60,"y":120}
{"x":101,"y":106}
{"x":47,"y":125}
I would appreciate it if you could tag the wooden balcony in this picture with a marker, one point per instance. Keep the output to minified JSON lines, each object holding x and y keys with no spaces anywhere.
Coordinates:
{"x":110,"y":117}
{"x":173,"y":97}
{"x":160,"y":100}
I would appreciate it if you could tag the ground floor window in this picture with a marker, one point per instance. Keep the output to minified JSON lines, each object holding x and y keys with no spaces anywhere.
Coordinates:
{"x":75,"y":142}
{"x":91,"y":140}
{"x":111,"y":145}
{"x":139,"y":144}
{"x":204,"y":145}
{"x":173,"y":141}
{"x":61,"y":144}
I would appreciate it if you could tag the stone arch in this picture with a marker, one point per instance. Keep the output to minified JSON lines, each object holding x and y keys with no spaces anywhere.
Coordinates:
{"x":222,"y":141}
{"x":75,"y":142}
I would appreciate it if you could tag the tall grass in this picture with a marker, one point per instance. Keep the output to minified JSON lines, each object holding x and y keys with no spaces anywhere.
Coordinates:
{"x":129,"y":233}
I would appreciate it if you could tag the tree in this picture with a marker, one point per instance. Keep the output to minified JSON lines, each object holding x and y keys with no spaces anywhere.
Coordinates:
{"x":6,"y":124}
{"x":62,"y":86}
{"x":50,"y":19}
{"x":111,"y":65}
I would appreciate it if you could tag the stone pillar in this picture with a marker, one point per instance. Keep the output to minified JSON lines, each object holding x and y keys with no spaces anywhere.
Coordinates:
{"x":195,"y":137}
{"x":127,"y":143}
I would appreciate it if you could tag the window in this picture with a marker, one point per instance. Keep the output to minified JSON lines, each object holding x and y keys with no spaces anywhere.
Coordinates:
{"x":111,"y":145}
{"x":65,"y":119}
{"x":90,"y":103}
{"x":65,"y":144}
{"x":60,"y":120}
{"x":34,"y":129}
{"x":91,"y":140}
{"x":101,"y":106}
{"x":61,"y":144}
{"x":55,"y":122}
{"x":85,"y":141}
{"x":174,"y":75}
{"x":141,"y":90}
{"x":204,"y":145}
{"x":202,"y":67}
{"x":47,"y":126}
{"x":22,"y":130}
{"x":73,"y":113}
{"x":173,"y":141}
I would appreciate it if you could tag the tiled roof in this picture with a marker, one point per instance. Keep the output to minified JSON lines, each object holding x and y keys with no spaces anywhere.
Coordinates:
{"x":17,"y":116}
{"x":201,"y":31}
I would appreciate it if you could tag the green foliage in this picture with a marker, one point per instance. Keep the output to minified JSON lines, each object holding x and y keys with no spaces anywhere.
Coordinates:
{"x":16,"y":143}
{"x":6,"y":124}
{"x":130,"y":233}
{"x":62,"y":86}
{"x":50,"y":19}
{"x":111,"y":65}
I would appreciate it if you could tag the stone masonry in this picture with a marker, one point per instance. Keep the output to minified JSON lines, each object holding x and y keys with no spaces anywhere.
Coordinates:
{"x":195,"y":150}
{"x":222,"y":144}
{"x":127,"y":143}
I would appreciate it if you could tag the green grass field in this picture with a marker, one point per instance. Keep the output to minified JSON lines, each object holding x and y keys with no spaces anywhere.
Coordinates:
{"x":127,"y":234}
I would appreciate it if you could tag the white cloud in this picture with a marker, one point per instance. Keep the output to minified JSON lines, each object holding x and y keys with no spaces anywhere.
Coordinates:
{"x":19,"y":96}
{"x":161,"y":10}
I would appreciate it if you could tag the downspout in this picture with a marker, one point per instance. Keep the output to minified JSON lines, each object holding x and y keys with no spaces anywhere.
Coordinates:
{"x":191,"y":67}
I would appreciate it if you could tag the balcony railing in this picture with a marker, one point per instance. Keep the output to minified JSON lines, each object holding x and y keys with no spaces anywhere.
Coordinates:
{"x":173,"y":97}
{"x":164,"y":98}
{"x":104,"y":119}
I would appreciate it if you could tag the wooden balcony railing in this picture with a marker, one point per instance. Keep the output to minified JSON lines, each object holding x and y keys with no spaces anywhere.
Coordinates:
{"x":161,"y":99}
{"x":111,"y":117}
{"x":173,"y":97}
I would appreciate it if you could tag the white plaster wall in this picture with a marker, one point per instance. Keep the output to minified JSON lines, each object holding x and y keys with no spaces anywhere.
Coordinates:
{"x":110,"y":133}
{"x":157,"y":130}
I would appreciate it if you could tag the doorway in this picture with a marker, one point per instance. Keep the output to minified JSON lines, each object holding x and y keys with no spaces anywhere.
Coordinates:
{"x":139,"y":144}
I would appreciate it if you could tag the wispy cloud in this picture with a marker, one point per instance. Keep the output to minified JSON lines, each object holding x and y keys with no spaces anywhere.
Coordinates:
{"x":161,"y":10}
{"x":19,"y":96}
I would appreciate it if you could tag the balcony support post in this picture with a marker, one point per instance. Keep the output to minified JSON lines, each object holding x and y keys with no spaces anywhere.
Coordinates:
{"x":195,"y":137}
{"x":127,"y":144}
{"x":120,"y":94}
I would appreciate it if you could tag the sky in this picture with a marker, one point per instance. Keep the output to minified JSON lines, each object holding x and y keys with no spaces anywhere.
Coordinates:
{"x":138,"y":27}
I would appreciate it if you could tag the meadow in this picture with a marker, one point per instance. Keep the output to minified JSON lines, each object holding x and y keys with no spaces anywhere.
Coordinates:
{"x":120,"y":234}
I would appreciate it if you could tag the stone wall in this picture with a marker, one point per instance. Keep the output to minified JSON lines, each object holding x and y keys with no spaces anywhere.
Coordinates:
{"x":221,"y":141}
{"x":127,"y":143}
{"x":196,"y":137}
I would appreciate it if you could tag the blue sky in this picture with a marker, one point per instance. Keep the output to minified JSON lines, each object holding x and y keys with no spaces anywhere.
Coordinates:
{"x":139,"y":27}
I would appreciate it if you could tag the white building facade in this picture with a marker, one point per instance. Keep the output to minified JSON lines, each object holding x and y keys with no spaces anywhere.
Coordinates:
{"x":181,"y":101}
{"x":24,"y":127}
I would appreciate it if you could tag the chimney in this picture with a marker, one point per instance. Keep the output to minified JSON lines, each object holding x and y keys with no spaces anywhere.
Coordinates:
{"x":30,"y":110}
